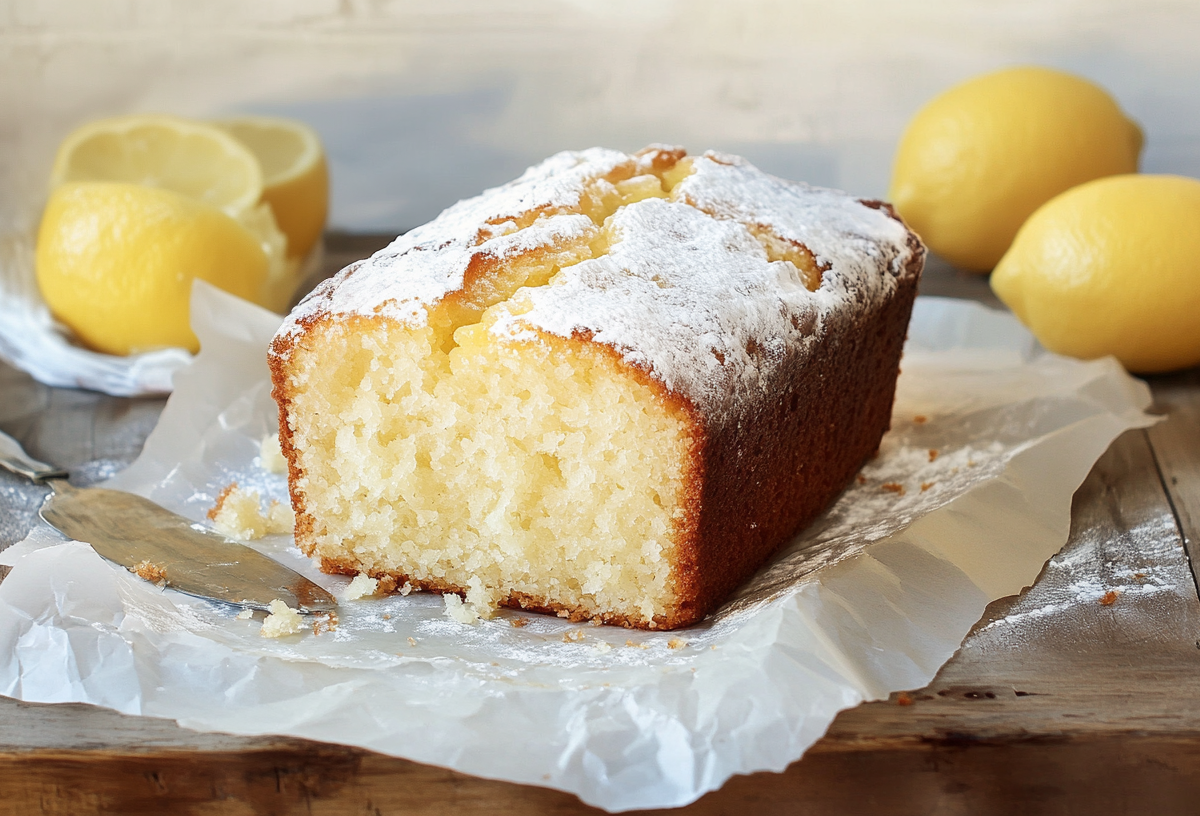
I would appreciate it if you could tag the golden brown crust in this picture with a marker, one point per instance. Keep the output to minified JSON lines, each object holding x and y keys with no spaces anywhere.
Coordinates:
{"x":751,"y":484}
{"x":515,"y":600}
{"x":222,"y":497}
{"x":771,"y":474}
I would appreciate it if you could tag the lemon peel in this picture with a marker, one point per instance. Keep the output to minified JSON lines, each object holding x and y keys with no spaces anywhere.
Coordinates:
{"x":115,"y":262}
{"x":1109,"y":267}
{"x":978,"y":159}
{"x":295,"y":175}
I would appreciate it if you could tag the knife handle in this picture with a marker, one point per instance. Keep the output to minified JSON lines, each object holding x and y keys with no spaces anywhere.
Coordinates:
{"x":14,"y":458}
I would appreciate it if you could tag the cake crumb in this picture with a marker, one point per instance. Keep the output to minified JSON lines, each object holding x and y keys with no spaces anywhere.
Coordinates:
{"x":237,"y":514}
{"x":387,"y":585}
{"x":676,"y":643}
{"x":903,"y":699}
{"x":458,"y":611}
{"x":280,"y":519}
{"x":933,"y":454}
{"x":270,"y":454}
{"x":245,"y":614}
{"x":860,"y":479}
{"x":148,"y":571}
{"x":406,"y":589}
{"x":484,"y":600}
{"x":1109,"y":598}
{"x":926,"y":485}
{"x":636,"y":645}
{"x":920,"y":419}
{"x":603,"y":646}
{"x":893,"y":487}
{"x":517,"y":623}
{"x":282,"y":620}
{"x":361,"y":586}
{"x":325,"y":623}
{"x":573,"y":637}
{"x":412,"y":641}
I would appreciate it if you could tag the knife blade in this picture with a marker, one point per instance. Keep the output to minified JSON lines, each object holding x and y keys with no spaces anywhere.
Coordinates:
{"x":134,"y":532}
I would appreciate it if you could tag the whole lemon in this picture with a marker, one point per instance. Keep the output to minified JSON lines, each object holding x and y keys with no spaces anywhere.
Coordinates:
{"x":1109,"y":267}
{"x":978,"y":159}
{"x":115,"y":262}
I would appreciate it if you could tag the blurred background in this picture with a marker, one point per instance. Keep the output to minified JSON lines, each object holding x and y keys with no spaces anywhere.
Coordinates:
{"x":423,"y":103}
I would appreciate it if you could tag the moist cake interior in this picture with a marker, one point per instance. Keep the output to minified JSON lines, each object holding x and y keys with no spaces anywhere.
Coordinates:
{"x":457,"y":459}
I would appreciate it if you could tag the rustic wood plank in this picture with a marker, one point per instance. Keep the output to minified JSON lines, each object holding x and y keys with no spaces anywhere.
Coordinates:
{"x":1132,"y":775}
{"x":1177,"y":451}
{"x":1131,"y":666}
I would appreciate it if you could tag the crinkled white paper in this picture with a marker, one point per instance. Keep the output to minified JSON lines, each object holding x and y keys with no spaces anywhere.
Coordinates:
{"x":970,"y":494}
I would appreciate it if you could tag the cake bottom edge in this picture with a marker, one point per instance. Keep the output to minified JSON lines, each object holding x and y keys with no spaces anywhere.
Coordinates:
{"x":686,"y":615}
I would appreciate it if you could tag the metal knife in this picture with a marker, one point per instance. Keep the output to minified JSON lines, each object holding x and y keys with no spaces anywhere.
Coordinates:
{"x":137,"y":533}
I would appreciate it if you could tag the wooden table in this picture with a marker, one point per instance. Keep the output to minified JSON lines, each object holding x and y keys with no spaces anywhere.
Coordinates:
{"x":1096,"y":713}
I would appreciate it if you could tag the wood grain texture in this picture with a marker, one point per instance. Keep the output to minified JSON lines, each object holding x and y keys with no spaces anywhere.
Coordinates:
{"x":1097,"y":711}
{"x":1176,"y":445}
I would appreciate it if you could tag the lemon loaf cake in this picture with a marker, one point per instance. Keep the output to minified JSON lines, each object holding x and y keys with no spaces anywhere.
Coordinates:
{"x":609,"y":389}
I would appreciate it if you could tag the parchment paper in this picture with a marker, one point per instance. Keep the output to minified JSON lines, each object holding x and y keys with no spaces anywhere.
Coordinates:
{"x":969,"y":496}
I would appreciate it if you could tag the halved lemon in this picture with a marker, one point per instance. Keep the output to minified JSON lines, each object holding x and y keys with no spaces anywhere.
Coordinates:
{"x":195,"y":159}
{"x":295,"y":175}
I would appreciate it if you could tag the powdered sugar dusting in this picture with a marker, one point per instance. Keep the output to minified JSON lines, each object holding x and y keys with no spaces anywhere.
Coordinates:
{"x":692,"y":299}
{"x":424,"y":265}
{"x":685,"y":290}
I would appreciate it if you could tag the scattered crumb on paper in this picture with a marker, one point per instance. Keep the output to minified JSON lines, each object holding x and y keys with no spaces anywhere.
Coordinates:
{"x":245,"y":614}
{"x":280,"y":519}
{"x":271,"y":454}
{"x":459,"y":611}
{"x":362,"y":586}
{"x":282,"y":621}
{"x":148,"y":571}
{"x":238,"y":514}
{"x":324,"y":623}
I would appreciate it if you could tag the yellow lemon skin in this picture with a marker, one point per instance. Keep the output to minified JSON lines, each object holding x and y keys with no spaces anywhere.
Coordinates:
{"x":115,"y":263}
{"x":295,"y":175}
{"x":977,"y":160}
{"x":1110,"y":267}
{"x":301,"y":205}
